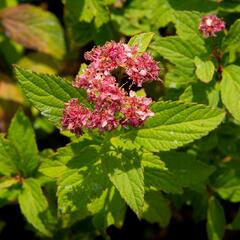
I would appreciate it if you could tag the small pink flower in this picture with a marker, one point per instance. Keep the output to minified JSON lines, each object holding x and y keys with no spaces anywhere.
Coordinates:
{"x":103,"y":120}
{"x":111,"y":104}
{"x":110,"y":56}
{"x":210,"y":25}
{"x":136,"y":110}
{"x":75,"y":117}
{"x":142,"y":69}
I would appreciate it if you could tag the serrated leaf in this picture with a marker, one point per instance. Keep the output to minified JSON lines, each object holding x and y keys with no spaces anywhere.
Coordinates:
{"x":187,"y":25}
{"x":204,"y":70}
{"x":142,"y":41}
{"x":180,"y":52}
{"x":123,"y":167}
{"x":87,"y":10}
{"x":202,"y":93}
{"x":230,"y":90}
{"x":227,"y":184}
{"x":78,"y":191}
{"x":156,"y":208}
{"x":33,"y":204}
{"x":53,"y":169}
{"x":80,"y":154}
{"x":8,"y":157}
{"x":48,"y":93}
{"x":187,"y":170}
{"x":22,"y":136}
{"x":231,"y":41}
{"x":112,"y":212}
{"x":215,"y":220}
{"x":34,"y":28}
{"x":175,"y":124}
{"x":157,"y":176}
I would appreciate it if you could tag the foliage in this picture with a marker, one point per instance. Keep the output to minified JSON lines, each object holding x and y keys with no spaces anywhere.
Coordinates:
{"x":186,"y":154}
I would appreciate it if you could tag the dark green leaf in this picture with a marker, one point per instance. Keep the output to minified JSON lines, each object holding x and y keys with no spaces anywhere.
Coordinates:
{"x":230,"y":90}
{"x":48,"y":93}
{"x":9,"y":157}
{"x":156,"y":208}
{"x":215,"y":220}
{"x":112,"y":212}
{"x":157,"y":176}
{"x":175,"y":124}
{"x":21,"y":134}
{"x":187,"y":170}
{"x":123,"y":167}
{"x":33,"y":204}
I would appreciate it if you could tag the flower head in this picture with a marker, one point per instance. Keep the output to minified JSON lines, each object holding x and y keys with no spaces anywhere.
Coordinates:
{"x":136,"y":110}
{"x":112,"y":105}
{"x":142,"y":69}
{"x":210,"y":25}
{"x":75,"y":117}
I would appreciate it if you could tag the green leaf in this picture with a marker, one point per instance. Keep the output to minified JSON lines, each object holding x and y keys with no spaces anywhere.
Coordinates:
{"x":78,"y":192}
{"x":142,"y":41}
{"x":187,"y":170}
{"x":80,"y":154}
{"x":112,"y":212}
{"x":230,"y":90}
{"x":200,"y":92}
{"x":187,"y":26}
{"x":33,"y":204}
{"x":229,"y":7}
{"x":123,"y":167}
{"x":7,"y":182}
{"x":53,"y":169}
{"x":142,"y":16}
{"x":157,"y":176}
{"x":180,"y":52}
{"x":156,"y":208}
{"x":231,"y":41}
{"x":8,"y":157}
{"x":48,"y":93}
{"x":21,"y":134}
{"x":227,"y":184}
{"x":34,"y":28}
{"x":215,"y":220}
{"x":195,"y":5}
{"x":175,"y":124}
{"x":235,"y":225}
{"x":204,"y":70}
{"x":87,"y":10}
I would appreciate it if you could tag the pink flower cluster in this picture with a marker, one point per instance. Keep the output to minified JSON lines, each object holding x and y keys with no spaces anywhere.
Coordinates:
{"x":113,"y":106}
{"x":210,"y":25}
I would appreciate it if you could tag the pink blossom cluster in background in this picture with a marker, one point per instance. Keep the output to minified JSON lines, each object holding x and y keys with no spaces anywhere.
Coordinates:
{"x":210,"y":25}
{"x":113,"y":106}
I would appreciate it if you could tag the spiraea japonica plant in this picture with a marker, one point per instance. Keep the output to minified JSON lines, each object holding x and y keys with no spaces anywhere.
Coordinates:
{"x":152,"y":125}
{"x":115,"y":159}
